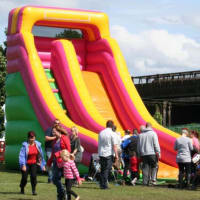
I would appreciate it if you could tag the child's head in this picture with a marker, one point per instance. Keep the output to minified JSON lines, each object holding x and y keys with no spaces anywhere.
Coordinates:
{"x":66,"y":156}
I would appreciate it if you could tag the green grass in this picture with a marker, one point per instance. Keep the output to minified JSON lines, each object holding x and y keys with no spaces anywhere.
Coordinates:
{"x":9,"y":190}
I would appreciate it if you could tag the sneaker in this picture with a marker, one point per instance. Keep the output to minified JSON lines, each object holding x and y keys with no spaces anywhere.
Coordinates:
{"x":134,"y":181}
{"x":34,"y":193}
{"x":90,"y":178}
{"x":153,"y":183}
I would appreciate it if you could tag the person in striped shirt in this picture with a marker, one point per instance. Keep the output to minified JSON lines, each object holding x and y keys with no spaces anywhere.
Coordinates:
{"x":70,"y":170}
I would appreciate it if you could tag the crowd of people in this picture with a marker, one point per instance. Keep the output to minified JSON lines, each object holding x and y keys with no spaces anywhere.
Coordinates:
{"x":130,"y":153}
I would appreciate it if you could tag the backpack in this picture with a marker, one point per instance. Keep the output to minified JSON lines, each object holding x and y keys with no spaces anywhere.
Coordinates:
{"x":131,"y":148}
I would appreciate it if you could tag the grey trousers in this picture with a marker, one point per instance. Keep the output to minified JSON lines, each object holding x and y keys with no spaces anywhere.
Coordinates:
{"x":149,"y":168}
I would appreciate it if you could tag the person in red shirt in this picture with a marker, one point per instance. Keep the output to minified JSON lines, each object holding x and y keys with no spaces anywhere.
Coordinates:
{"x":30,"y":156}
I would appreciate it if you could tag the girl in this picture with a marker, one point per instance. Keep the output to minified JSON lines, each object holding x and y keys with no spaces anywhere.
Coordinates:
{"x":30,"y":156}
{"x":70,"y":170}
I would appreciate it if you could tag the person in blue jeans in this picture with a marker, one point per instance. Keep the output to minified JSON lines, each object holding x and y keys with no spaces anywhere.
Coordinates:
{"x":61,"y":142}
{"x":107,"y":147}
{"x":48,"y":146}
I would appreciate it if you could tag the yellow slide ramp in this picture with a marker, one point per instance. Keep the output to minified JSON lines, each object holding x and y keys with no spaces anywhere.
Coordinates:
{"x":101,"y":98}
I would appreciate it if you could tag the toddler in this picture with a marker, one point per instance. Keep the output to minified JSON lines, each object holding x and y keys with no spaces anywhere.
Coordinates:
{"x":70,"y":171}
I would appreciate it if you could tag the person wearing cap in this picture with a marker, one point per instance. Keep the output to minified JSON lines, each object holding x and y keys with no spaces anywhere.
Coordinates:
{"x":183,"y":145}
{"x":30,"y":156}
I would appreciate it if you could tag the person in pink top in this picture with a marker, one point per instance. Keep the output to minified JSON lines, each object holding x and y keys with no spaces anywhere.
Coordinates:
{"x":196,"y":148}
{"x":195,"y":140}
{"x":69,"y":170}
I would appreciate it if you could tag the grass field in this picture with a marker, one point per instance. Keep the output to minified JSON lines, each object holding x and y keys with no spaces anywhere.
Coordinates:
{"x":9,"y":190}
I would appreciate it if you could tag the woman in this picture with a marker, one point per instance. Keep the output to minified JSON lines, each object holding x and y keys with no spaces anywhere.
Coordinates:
{"x":184,"y":147}
{"x":30,"y":156}
{"x":76,"y":145}
{"x":196,"y":148}
{"x":61,"y":142}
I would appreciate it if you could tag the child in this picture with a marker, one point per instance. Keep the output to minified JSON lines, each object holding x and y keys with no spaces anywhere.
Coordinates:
{"x":134,"y":168}
{"x":70,"y":170}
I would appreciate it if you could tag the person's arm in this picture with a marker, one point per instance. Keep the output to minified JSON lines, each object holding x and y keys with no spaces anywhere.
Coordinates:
{"x":49,"y":138}
{"x":157,"y":146}
{"x":43,"y":162}
{"x":77,"y":145}
{"x":22,"y":158}
{"x":114,"y":143}
{"x":190,"y":145}
{"x":175,"y":146}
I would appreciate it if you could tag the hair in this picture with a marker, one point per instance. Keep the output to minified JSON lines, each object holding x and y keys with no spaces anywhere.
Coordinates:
{"x":142,"y":128}
{"x":75,"y":129}
{"x":66,"y":153}
{"x":127,"y":131}
{"x":195,"y":133}
{"x":184,"y":131}
{"x":148,"y":125}
{"x":114,"y":128}
{"x":31,"y":134}
{"x":61,"y":129}
{"x":135,"y":131}
{"x":109,"y":124}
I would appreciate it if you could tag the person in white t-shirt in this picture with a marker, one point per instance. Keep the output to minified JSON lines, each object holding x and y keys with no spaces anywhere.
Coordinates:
{"x":107,"y":147}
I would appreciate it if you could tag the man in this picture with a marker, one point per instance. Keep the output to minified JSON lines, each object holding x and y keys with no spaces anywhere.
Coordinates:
{"x":107,"y":147}
{"x":184,"y":147}
{"x":48,"y":145}
{"x":149,"y":150}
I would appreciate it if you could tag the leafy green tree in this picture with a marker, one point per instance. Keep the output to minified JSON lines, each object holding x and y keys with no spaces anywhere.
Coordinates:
{"x":69,"y":34}
{"x":158,"y":116}
{"x":3,"y":62}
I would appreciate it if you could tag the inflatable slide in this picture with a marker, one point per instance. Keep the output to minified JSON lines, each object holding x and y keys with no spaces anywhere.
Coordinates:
{"x":82,"y":82}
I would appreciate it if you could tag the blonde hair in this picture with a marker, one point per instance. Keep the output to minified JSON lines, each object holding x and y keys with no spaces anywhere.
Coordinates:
{"x":75,"y":130}
{"x":65,"y":153}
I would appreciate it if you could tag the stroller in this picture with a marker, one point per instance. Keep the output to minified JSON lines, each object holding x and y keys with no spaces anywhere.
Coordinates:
{"x":94,"y":168}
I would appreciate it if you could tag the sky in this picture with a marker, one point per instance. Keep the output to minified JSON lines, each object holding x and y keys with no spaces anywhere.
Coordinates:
{"x":155,"y":36}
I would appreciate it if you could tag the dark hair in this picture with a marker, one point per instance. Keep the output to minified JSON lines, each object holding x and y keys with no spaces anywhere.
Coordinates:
{"x":127,"y":131}
{"x":195,"y":133}
{"x":61,"y":129}
{"x":114,"y":128}
{"x":109,"y":124}
{"x":31,"y":134}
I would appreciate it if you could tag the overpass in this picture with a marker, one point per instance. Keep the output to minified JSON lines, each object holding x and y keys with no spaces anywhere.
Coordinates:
{"x":176,"y":95}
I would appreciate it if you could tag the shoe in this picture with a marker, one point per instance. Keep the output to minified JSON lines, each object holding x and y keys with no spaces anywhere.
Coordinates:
{"x":49,"y":181}
{"x":153,"y":183}
{"x":34,"y":193}
{"x":123,"y":183}
{"x":90,"y":178}
{"x":77,"y":198}
{"x":134,"y":181}
{"x":22,"y":190}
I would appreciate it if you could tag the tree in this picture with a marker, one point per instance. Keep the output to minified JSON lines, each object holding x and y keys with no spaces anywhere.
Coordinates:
{"x":69,"y":34}
{"x":3,"y":62}
{"x":158,"y":116}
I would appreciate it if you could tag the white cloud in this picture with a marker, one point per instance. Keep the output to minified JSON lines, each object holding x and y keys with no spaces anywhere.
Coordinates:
{"x":164,"y":20}
{"x":157,"y":51}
